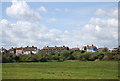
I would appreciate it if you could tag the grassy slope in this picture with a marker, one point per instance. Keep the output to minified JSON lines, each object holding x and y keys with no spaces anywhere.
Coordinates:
{"x":61,"y":70}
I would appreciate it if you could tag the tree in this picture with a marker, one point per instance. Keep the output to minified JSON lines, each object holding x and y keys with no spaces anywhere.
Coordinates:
{"x":65,"y":54}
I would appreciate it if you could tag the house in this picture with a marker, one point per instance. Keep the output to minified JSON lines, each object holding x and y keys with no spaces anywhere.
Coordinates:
{"x":90,"y":48}
{"x":30,"y":50}
{"x":116,"y":49}
{"x":23,"y":50}
{"x":12,"y":50}
{"x":56,"y":49}
{"x":75,"y":49}
{"x":15,"y":50}
{"x":19,"y":50}
{"x":102,"y":49}
{"x":3,"y":51}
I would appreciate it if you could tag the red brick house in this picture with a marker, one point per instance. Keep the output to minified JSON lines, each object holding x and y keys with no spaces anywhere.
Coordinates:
{"x":48,"y":49}
{"x":75,"y":49}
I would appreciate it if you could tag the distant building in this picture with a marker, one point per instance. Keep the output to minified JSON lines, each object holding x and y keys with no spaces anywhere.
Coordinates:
{"x":3,"y":51}
{"x":12,"y":50}
{"x":56,"y":49}
{"x":23,"y":50}
{"x":30,"y":50}
{"x":102,"y":49}
{"x":75,"y":49}
{"x":19,"y":51}
{"x":90,"y":48}
{"x":116,"y":49}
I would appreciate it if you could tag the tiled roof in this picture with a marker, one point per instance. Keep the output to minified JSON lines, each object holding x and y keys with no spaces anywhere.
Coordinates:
{"x":75,"y":49}
{"x":24,"y":48}
{"x":88,"y":47}
{"x":30,"y":48}
{"x":48,"y":48}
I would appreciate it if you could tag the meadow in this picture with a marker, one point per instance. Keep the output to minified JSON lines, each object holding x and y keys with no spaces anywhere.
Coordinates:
{"x":61,"y":70}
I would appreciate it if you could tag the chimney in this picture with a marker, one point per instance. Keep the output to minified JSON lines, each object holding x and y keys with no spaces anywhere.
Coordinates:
{"x":11,"y":47}
{"x":92,"y":45}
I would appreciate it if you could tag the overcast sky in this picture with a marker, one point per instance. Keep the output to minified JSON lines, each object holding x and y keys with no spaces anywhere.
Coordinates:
{"x":59,"y":23}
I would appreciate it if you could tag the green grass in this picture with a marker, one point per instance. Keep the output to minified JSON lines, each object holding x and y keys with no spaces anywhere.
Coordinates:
{"x":61,"y":70}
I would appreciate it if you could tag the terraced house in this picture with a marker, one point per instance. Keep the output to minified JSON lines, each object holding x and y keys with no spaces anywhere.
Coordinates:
{"x":23,"y":50}
{"x":75,"y":49}
{"x":55,"y":49}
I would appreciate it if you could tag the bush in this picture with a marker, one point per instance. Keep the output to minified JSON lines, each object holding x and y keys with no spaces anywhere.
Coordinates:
{"x":88,"y":56}
{"x":82,"y":51}
{"x":5,"y":59}
{"x":61,"y":56}
{"x":112,"y":56}
{"x":76,"y":55}
{"x":24,"y":58}
{"x":17,"y":58}
{"x":64,"y":54}
{"x":54,"y":57}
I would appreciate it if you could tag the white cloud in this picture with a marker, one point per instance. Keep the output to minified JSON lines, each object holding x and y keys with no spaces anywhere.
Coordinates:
{"x":24,"y":33}
{"x":62,"y":10}
{"x":21,"y":10}
{"x":52,"y":20}
{"x":94,"y":34}
{"x":112,"y":13}
{"x":98,"y":31}
{"x":112,"y":22}
{"x":43,"y":9}
{"x":66,"y":10}
{"x":100,"y":12}
{"x":98,"y":28}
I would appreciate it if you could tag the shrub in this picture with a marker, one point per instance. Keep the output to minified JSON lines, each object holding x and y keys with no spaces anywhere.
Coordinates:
{"x":112,"y":56}
{"x":24,"y":58}
{"x":17,"y":58}
{"x":54,"y":57}
{"x":88,"y":56}
{"x":76,"y":55}
{"x":5,"y":59}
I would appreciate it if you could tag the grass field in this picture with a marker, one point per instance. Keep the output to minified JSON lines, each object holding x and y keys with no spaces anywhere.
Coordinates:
{"x":61,"y":70}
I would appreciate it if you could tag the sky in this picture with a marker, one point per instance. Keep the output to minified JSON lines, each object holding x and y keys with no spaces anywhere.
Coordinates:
{"x":73,"y":24}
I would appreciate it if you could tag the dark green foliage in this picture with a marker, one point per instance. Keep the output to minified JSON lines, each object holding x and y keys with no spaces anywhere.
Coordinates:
{"x":112,"y":56}
{"x":88,"y":56}
{"x":24,"y":58}
{"x":100,"y":56}
{"x":76,"y":55}
{"x":82,"y":51}
{"x":55,"y":57}
{"x":17,"y":58}
{"x":62,"y":56}
{"x":5,"y":59}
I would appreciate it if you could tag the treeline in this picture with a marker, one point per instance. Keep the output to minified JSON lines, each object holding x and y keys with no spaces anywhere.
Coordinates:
{"x":62,"y":56}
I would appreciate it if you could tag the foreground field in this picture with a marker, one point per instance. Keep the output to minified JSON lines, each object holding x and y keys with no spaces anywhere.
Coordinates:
{"x":61,"y":70}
